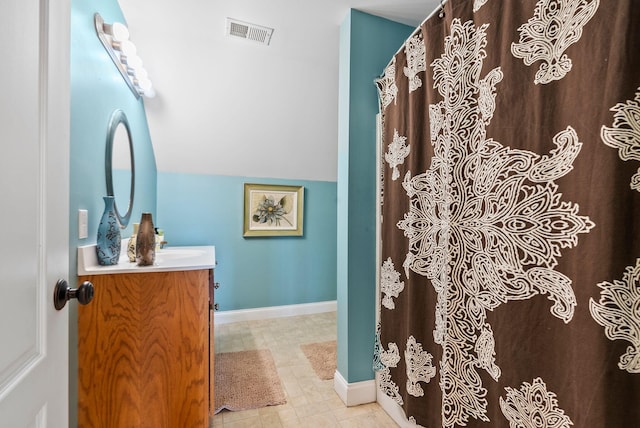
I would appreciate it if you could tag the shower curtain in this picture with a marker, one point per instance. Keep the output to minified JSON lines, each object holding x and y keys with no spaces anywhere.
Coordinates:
{"x":510,"y":195}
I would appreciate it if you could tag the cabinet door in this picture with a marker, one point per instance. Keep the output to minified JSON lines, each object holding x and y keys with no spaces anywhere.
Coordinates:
{"x":143,"y":351}
{"x":212,"y":353}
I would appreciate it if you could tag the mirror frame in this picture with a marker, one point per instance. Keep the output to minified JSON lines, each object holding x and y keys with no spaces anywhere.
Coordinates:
{"x":117,"y":118}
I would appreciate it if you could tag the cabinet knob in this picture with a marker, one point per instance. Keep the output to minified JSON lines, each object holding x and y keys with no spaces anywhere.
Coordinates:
{"x":216,"y":307}
{"x":216,"y":285}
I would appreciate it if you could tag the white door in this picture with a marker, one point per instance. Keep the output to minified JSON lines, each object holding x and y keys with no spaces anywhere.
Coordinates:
{"x":34,"y":211}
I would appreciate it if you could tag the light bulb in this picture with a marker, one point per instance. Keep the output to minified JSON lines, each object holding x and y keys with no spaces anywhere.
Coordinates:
{"x":141,"y":74}
{"x":126,"y":48}
{"x":132,"y":62}
{"x":145,"y":87}
{"x":118,"y":31}
{"x":144,"y":84}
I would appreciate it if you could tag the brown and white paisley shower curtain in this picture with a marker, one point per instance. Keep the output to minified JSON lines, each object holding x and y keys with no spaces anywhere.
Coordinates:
{"x":510,"y":229}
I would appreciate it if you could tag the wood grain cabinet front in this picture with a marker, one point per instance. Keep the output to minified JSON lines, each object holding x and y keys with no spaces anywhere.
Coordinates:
{"x":145,"y":351}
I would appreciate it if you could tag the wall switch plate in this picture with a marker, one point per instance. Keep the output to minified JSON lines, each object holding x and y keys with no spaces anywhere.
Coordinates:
{"x":83,"y":224}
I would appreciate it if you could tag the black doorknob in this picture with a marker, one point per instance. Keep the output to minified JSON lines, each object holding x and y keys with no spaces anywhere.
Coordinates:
{"x":63,"y":293}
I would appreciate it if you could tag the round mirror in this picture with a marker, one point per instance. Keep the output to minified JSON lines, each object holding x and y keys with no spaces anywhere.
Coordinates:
{"x":120,"y":170}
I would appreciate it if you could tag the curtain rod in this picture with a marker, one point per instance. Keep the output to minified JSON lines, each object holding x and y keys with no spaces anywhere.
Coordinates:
{"x":437,"y":9}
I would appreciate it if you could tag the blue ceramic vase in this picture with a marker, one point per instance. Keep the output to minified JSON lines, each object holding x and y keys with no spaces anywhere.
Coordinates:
{"x":108,"y":240}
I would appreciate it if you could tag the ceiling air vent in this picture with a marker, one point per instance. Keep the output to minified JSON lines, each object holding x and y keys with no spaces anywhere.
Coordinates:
{"x":245,"y":30}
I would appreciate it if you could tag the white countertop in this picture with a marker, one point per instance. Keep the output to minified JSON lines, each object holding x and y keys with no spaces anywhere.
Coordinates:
{"x":167,"y":259}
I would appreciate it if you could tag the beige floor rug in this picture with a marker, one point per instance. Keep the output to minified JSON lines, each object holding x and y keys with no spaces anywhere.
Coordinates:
{"x":246,"y":380}
{"x":322,"y":356}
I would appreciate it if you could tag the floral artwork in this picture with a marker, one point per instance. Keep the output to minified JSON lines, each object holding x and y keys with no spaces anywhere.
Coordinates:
{"x":272,"y":210}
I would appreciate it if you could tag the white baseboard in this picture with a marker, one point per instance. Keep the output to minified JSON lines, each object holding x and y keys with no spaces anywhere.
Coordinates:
{"x":224,"y":317}
{"x":353,"y":394}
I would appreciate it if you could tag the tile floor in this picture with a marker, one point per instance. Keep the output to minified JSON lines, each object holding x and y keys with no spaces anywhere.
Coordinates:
{"x":311,"y":402}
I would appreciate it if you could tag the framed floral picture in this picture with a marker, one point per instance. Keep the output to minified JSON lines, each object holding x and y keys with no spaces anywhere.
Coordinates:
{"x":273,"y":210}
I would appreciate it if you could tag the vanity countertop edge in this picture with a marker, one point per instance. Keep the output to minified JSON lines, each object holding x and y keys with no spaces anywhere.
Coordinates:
{"x":167,"y":260}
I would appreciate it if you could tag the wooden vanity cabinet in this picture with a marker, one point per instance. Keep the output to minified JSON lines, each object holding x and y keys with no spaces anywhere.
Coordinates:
{"x":145,"y":350}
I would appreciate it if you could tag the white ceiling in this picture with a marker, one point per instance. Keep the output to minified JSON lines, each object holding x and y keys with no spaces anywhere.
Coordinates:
{"x":233,"y":107}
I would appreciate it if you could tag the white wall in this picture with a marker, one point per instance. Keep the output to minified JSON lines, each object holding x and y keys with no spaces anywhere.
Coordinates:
{"x":232,"y":107}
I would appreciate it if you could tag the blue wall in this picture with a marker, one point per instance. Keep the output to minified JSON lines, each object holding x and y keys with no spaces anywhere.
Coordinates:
{"x":336,"y":256}
{"x":253,"y":272}
{"x":367,"y":44}
{"x":97,"y":89}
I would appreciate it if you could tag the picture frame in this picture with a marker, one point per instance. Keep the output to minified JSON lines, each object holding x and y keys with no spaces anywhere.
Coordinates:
{"x":273,"y":210}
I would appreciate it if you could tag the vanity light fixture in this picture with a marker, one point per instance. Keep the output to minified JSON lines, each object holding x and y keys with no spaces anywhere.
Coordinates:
{"x":115,"y":39}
